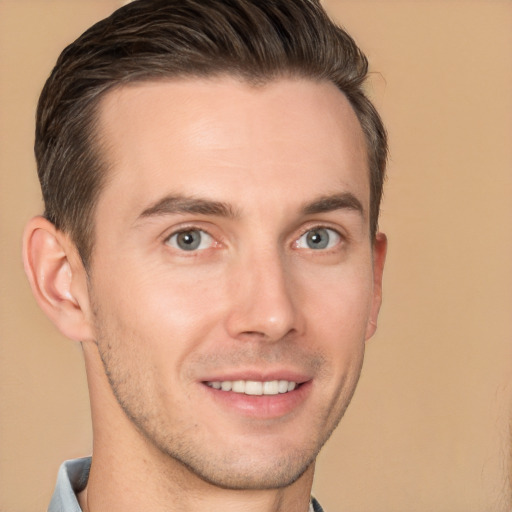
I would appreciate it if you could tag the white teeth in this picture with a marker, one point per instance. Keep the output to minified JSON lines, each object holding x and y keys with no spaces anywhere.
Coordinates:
{"x":253,"y":387}
{"x":271,"y":387}
{"x":238,"y":386}
{"x":226,"y":385}
{"x":283,"y":386}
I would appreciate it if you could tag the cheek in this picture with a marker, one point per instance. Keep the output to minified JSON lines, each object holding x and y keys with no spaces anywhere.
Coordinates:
{"x":338,"y":303}
{"x":168,"y":309}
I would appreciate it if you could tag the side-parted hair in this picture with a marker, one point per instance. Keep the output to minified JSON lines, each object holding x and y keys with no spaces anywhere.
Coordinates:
{"x":255,"y":40}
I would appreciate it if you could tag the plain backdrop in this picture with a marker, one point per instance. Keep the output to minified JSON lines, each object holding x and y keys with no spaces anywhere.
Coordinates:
{"x":428,"y":429}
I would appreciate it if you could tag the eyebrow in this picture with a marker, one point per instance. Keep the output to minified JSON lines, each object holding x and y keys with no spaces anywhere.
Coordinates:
{"x":176,"y":204}
{"x":180,"y":204}
{"x":343,"y":201}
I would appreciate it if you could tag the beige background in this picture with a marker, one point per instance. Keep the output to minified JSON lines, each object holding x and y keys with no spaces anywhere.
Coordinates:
{"x":428,"y":429}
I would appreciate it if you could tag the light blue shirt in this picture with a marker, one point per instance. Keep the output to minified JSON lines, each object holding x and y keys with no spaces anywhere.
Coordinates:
{"x":72,"y":478}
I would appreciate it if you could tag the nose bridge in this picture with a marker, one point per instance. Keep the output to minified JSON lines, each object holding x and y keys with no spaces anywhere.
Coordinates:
{"x":263,"y":304}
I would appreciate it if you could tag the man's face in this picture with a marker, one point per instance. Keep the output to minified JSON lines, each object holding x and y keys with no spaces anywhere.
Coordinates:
{"x":232,"y":279}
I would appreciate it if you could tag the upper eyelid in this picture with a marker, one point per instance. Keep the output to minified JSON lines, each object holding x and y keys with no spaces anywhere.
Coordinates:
{"x":169,"y":232}
{"x":323,"y":225}
{"x":186,"y":230}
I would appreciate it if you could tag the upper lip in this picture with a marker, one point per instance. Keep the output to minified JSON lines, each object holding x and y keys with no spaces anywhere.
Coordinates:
{"x":259,"y":376}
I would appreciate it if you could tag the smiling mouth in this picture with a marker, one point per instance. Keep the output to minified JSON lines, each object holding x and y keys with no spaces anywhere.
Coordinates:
{"x":254,"y":387}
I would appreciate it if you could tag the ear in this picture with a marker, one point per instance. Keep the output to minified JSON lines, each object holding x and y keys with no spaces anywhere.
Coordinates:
{"x":57,"y":278}
{"x":380,"y":246}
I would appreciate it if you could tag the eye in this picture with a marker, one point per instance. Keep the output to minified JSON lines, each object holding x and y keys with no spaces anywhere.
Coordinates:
{"x":318,"y":238}
{"x":190,"y":240}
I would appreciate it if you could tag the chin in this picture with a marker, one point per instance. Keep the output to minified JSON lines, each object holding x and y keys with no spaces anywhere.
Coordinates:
{"x":251,"y":473}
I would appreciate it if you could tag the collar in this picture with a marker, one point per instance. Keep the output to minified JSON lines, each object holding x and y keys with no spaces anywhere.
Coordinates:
{"x":71,"y":479}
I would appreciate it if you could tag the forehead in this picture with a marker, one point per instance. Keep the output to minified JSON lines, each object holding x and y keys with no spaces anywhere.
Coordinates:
{"x":222,"y":137}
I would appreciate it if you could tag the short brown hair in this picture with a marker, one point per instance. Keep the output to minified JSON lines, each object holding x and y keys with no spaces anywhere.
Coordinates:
{"x":154,"y":39}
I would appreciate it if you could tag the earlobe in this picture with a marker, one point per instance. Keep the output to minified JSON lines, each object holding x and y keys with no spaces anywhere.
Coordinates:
{"x":380,"y":246}
{"x":57,"y":278}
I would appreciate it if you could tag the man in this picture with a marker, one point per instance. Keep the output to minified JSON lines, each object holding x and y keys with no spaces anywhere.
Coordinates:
{"x":212,"y":173}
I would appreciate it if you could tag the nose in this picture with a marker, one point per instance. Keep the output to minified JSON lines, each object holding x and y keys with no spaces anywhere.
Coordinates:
{"x":263,"y":305}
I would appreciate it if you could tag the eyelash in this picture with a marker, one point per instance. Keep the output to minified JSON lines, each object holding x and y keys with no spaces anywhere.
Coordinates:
{"x":215,"y":242}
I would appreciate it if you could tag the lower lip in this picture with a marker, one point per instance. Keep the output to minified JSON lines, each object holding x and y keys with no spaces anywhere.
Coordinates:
{"x":261,"y":406}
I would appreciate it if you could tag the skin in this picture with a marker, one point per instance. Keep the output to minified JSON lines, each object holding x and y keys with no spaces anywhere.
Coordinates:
{"x":253,"y":172}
